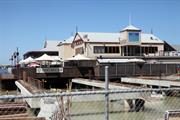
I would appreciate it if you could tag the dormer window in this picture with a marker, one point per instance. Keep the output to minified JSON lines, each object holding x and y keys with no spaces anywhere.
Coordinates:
{"x":133,"y":36}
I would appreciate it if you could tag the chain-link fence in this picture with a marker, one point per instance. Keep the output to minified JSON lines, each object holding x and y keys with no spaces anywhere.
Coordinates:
{"x":129,"y":104}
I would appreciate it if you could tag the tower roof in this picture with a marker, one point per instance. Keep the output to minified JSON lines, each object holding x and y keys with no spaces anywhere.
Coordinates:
{"x":131,"y":27}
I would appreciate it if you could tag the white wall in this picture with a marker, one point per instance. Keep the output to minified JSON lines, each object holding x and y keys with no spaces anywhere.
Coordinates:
{"x":65,"y":51}
{"x":160,"y":47}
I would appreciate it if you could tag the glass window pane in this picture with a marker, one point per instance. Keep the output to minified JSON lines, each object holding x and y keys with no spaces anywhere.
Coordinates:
{"x":133,"y":37}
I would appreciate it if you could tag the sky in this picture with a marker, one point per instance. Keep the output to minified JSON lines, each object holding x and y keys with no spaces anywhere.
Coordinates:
{"x":26,"y":24}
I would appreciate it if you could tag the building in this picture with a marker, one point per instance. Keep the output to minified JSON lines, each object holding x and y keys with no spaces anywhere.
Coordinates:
{"x":130,"y":41}
{"x":50,"y":48}
{"x":129,"y":52}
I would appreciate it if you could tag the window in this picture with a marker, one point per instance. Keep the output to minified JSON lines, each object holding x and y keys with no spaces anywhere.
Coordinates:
{"x":79,"y":50}
{"x":133,"y":36}
{"x":106,"y":49}
{"x":99,"y":49}
{"x":149,"y":50}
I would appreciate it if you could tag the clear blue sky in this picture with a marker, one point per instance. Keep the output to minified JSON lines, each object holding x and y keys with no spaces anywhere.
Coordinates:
{"x":26,"y":23}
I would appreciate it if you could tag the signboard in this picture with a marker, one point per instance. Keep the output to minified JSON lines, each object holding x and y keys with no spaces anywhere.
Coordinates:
{"x":49,"y":70}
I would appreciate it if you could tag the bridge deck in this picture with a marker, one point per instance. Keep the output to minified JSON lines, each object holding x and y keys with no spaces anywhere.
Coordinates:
{"x":101,"y":84}
{"x":149,"y":81}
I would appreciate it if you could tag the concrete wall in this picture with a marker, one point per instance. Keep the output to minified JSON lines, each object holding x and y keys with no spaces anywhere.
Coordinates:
{"x":32,"y":102}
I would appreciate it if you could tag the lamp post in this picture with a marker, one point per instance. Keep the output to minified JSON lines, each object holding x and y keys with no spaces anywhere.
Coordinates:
{"x":15,"y":57}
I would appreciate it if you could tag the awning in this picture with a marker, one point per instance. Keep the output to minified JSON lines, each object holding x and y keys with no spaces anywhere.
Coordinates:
{"x":135,"y":60}
{"x":56,"y":58}
{"x":78,"y":57}
{"x":112,"y":60}
{"x":44,"y":57}
{"x":27,"y":60}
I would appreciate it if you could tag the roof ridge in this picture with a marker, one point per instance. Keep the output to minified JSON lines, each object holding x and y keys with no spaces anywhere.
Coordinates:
{"x":101,"y":32}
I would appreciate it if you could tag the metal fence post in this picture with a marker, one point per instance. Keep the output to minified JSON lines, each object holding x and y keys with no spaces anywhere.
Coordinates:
{"x":106,"y":94}
{"x":166,"y":115}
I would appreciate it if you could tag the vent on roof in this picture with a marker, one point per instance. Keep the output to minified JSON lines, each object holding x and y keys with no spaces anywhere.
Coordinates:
{"x":151,"y":38}
{"x":85,"y":36}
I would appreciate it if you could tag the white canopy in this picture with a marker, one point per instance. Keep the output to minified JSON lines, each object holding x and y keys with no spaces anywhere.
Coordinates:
{"x":136,"y":60}
{"x":27,"y":61}
{"x":21,"y":61}
{"x":44,"y":57}
{"x":56,"y":58}
{"x":78,"y":57}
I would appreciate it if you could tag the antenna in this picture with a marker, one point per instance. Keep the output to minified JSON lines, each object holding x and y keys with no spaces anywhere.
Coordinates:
{"x":76,"y":29}
{"x":129,"y":18}
{"x":45,"y":43}
{"x":151,"y":31}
